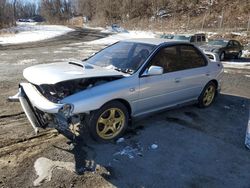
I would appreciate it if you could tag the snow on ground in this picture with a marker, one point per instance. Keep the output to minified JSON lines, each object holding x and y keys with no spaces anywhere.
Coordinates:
{"x":245,"y":53}
{"x":123,"y":36}
{"x":31,"y":33}
{"x":236,"y":65}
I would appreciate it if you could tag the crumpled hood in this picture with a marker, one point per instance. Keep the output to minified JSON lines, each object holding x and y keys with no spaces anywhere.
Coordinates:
{"x":210,"y":48}
{"x":58,"y":72}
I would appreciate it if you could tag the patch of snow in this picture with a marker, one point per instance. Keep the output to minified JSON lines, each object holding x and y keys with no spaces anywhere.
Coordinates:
{"x":210,"y":34}
{"x":114,"y":29}
{"x":248,"y":76}
{"x":154,"y":146}
{"x":236,"y":65}
{"x":76,"y":44}
{"x":30,"y":33}
{"x":94,"y":28}
{"x":120,"y":140}
{"x":66,"y":48}
{"x":58,"y":52}
{"x":27,"y":61}
{"x":123,"y":36}
{"x":239,"y":34}
{"x":227,"y":107}
{"x":245,"y":53}
{"x":130,"y":151}
{"x":44,"y":168}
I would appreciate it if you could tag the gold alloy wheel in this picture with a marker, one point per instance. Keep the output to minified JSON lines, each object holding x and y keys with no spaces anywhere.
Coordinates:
{"x":110,"y":123}
{"x":209,"y":95}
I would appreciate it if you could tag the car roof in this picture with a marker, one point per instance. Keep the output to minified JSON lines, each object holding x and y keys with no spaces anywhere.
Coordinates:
{"x":155,"y":41}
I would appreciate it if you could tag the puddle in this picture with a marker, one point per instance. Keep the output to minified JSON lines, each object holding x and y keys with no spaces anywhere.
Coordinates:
{"x":44,"y":168}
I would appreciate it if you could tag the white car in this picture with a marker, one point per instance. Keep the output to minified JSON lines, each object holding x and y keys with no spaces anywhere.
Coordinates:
{"x":123,"y":81}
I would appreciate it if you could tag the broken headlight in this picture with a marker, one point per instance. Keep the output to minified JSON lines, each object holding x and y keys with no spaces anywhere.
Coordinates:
{"x":66,"y":110}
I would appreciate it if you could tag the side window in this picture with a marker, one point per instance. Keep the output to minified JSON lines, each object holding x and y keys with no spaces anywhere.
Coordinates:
{"x":191,"y":58}
{"x":192,"y":39}
{"x":230,"y":43}
{"x":168,"y":59}
{"x":198,"y":38}
{"x":203,"y":38}
{"x":236,"y":43}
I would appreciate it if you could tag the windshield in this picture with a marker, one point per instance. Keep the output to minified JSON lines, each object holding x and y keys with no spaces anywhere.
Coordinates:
{"x":218,"y":42}
{"x":122,"y":56}
{"x":181,"y":37}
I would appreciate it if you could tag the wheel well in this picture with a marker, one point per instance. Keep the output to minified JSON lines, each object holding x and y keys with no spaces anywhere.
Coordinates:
{"x":215,"y":82}
{"x":125,"y":103}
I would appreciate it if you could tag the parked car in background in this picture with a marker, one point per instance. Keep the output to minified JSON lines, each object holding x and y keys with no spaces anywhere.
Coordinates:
{"x":197,"y":39}
{"x":123,"y":81}
{"x":224,"y":48}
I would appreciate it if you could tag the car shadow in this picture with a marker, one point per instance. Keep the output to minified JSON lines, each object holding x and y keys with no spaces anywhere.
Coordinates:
{"x":187,"y":133}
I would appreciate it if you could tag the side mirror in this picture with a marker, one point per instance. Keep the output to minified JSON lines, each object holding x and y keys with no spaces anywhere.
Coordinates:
{"x":153,"y":70}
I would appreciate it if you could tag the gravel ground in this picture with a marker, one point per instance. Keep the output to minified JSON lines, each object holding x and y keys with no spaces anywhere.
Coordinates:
{"x":192,"y":147}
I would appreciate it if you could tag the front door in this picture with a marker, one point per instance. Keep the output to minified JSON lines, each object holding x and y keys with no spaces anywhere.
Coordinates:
{"x":183,"y":79}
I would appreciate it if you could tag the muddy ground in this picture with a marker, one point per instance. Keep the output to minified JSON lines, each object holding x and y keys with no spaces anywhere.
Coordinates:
{"x":196,"y":147}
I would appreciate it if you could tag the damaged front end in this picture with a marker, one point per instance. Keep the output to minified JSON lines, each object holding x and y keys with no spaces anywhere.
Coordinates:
{"x":40,"y":111}
{"x":43,"y":104}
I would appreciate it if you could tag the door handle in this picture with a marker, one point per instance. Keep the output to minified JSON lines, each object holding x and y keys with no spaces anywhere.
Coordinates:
{"x":207,"y":74}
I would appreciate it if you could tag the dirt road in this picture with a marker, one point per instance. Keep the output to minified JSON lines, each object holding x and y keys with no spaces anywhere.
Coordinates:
{"x":192,"y":147}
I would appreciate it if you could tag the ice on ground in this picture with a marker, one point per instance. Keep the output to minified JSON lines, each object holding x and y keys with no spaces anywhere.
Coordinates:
{"x":120,"y":140}
{"x":31,"y":33}
{"x":154,"y":146}
{"x":227,"y":107}
{"x":123,"y":36}
{"x":130,"y":151}
{"x":44,"y":168}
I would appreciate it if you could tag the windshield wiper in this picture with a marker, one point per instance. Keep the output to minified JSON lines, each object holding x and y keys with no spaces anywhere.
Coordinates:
{"x":125,"y":70}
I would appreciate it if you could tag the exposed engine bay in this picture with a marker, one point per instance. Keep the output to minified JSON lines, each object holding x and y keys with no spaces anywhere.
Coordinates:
{"x":58,"y":91}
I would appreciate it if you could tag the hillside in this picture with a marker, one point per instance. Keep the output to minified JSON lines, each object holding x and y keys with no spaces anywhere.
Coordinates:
{"x":174,"y":14}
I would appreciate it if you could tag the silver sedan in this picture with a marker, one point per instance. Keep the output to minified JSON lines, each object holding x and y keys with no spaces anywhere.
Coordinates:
{"x":123,"y":81}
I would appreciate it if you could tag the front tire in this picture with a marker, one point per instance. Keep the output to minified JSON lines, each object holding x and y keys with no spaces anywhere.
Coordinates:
{"x":109,"y":122}
{"x":207,"y":96}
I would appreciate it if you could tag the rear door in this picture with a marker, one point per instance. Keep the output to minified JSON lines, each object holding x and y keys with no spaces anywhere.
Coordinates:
{"x":230,"y":50}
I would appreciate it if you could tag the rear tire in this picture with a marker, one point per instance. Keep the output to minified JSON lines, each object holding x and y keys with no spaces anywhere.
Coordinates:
{"x":109,"y":122}
{"x":238,"y":56}
{"x":207,"y":96}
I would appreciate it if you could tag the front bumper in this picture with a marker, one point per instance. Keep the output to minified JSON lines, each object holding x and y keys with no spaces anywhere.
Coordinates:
{"x":32,"y":103}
